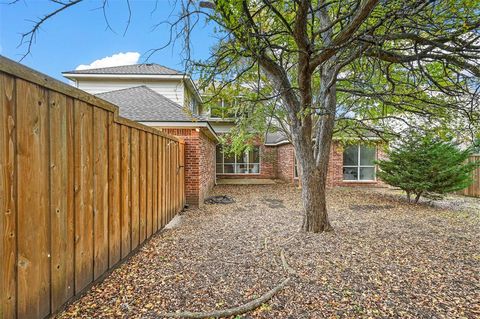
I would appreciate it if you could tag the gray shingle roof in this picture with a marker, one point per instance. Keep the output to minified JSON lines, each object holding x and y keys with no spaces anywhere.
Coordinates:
{"x":276,"y":138}
{"x":141,"y":103}
{"x":148,"y":68}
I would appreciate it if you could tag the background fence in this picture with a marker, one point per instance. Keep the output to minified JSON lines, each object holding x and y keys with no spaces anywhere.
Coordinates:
{"x":474,"y":189}
{"x":80,"y":189}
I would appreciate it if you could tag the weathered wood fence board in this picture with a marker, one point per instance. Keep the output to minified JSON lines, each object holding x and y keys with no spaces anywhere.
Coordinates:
{"x":80,"y":188}
{"x":474,"y":189}
{"x":32,"y":175}
{"x":8,"y":191}
{"x":135,"y":184}
{"x":114,"y":192}
{"x":100,"y":191}
{"x":61,"y":197}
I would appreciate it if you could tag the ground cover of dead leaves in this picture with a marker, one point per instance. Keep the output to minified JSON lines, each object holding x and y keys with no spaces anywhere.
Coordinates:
{"x":385,"y":259}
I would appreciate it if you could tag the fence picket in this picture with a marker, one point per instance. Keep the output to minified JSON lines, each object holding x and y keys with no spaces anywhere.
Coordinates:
{"x":474,"y":189}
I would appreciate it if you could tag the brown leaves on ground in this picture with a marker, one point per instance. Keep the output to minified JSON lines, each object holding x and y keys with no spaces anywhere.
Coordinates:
{"x":386,"y":259}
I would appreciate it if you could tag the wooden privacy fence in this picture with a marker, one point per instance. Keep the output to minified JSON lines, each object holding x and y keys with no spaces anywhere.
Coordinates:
{"x":80,"y":187}
{"x":474,"y":189}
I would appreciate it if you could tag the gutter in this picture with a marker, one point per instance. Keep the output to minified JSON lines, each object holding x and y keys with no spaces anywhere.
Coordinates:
{"x":72,"y":76}
{"x":176,"y":124}
{"x":373,"y":138}
{"x":278,"y":143}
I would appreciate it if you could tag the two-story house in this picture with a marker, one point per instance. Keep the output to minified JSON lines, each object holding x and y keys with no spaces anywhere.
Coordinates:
{"x":168,"y":100}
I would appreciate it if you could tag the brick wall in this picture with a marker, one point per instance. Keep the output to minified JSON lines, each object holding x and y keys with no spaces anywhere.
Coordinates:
{"x":268,"y":161}
{"x":199,"y":163}
{"x":275,"y":162}
{"x":207,"y":166}
{"x":286,"y":162}
{"x":335,"y":165}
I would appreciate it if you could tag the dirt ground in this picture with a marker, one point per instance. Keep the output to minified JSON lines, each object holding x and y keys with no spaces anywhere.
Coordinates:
{"x":385,"y":259}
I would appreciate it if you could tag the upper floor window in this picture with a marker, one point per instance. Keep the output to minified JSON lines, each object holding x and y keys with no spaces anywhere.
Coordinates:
{"x":222,"y":110}
{"x":358,"y":163}
{"x":193,"y":105}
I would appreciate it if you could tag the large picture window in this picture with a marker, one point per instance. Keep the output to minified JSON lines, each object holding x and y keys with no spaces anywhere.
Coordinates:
{"x":246,"y":163}
{"x":358,"y":163}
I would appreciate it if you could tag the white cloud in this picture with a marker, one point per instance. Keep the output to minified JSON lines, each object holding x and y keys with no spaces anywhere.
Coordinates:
{"x":117,"y":59}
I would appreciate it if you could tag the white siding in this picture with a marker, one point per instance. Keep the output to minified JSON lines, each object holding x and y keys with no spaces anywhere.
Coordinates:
{"x":172,"y":89}
{"x":189,"y":96}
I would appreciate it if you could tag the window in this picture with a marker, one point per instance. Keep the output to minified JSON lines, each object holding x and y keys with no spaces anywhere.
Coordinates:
{"x":358,"y":163}
{"x":222,"y":110}
{"x":246,"y":163}
{"x":193,"y":105}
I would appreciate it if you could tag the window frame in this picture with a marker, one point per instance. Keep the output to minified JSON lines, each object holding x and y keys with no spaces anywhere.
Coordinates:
{"x":359,"y":166}
{"x":235,"y":163}
{"x":222,"y":108}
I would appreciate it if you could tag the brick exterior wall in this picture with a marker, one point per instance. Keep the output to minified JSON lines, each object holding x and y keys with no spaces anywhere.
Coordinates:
{"x":335,"y":165}
{"x":207,"y":166}
{"x":286,"y":164}
{"x":199,"y":163}
{"x":276,"y":162}
{"x":268,"y":161}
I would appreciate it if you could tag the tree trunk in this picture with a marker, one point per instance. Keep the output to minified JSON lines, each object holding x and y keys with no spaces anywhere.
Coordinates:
{"x":314,"y":158}
{"x":314,"y":202}
{"x":417,"y":198}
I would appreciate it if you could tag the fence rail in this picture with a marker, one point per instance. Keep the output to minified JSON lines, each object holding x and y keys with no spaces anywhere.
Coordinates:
{"x":474,"y":189}
{"x":80,"y":189}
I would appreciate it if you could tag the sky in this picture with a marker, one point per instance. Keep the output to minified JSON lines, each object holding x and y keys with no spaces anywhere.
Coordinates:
{"x":79,"y":38}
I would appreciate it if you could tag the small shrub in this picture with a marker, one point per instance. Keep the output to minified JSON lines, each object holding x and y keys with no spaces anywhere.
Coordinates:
{"x":427,"y":166}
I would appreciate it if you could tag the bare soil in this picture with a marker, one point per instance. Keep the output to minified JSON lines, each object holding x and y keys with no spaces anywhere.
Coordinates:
{"x":385,"y":259}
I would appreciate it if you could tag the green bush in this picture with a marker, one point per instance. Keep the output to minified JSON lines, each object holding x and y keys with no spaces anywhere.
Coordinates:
{"x":427,"y":166}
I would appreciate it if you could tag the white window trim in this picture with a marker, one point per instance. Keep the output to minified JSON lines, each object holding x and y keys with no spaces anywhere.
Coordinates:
{"x":235,"y":165}
{"x":358,"y":166}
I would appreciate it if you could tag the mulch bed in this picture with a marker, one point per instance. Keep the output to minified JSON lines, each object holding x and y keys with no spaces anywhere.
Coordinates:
{"x":385,"y":259}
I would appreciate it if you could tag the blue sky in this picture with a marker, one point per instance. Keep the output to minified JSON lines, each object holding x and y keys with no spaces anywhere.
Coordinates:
{"x":79,"y":35}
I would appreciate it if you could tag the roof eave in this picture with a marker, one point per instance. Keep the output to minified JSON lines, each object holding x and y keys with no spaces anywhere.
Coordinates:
{"x":371,"y":138}
{"x":73,"y":76}
{"x":183,"y":124}
{"x":278,"y":143}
